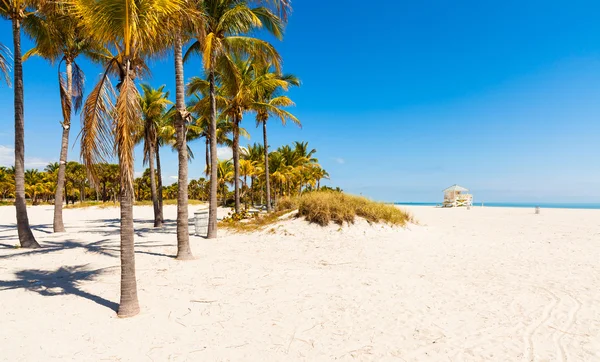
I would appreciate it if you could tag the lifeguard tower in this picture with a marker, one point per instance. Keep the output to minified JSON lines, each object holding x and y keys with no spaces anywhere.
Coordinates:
{"x":456,"y":196}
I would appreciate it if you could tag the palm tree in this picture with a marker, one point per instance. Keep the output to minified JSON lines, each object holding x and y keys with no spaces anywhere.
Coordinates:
{"x":187,"y":20}
{"x":247,"y":168}
{"x":16,"y":11}
{"x":135,"y":30}
{"x":269,"y":104}
{"x":241,"y":87}
{"x":225,"y":23}
{"x":200,"y":108}
{"x":153,"y":104}
{"x":255,"y":154}
{"x":52,"y":167}
{"x":225,"y":176}
{"x":61,"y":37}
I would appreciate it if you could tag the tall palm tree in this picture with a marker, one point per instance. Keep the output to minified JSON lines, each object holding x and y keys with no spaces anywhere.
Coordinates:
{"x":135,"y":32}
{"x":188,"y":20}
{"x":269,"y":104}
{"x":16,"y":11}
{"x":61,"y":37}
{"x":153,"y":103}
{"x":225,"y":24}
{"x":241,"y":87}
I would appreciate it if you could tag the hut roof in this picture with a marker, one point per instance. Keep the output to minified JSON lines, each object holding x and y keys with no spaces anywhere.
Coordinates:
{"x":456,"y":188}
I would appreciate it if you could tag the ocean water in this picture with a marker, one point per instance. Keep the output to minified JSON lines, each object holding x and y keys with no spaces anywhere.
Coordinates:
{"x":516,"y":204}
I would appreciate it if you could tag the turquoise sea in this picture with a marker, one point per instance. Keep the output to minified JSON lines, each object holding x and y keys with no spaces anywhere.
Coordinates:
{"x":516,"y":204}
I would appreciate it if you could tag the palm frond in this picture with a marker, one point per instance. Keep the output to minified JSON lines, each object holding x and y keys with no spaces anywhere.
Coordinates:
{"x":5,"y":60}
{"x":270,"y":21}
{"x":65,"y":100}
{"x":78,"y":87}
{"x":96,"y":129}
{"x":127,"y":113}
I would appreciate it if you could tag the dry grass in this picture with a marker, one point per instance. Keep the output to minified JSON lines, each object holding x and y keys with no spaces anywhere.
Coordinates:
{"x":325,"y":207}
{"x":260,"y":222}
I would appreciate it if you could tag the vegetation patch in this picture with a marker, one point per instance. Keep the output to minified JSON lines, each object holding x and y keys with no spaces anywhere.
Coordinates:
{"x":324,"y":207}
{"x":255,"y":223}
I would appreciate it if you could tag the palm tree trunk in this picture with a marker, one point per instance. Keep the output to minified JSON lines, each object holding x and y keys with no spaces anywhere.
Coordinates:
{"x":236,"y":162}
{"x":157,"y":220}
{"x":183,"y":230}
{"x":159,"y":186}
{"x":267,"y":185}
{"x":26,"y":238}
{"x":245,"y":193}
{"x":212,"y":211}
{"x":58,"y":224}
{"x":128,"y":305}
{"x":207,"y":155}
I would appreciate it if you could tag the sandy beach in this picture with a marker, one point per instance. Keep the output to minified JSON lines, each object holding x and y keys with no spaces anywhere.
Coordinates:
{"x":486,"y":284}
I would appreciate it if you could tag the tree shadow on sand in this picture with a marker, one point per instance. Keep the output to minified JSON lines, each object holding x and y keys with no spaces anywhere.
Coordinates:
{"x":63,"y":281}
{"x":104,"y":247}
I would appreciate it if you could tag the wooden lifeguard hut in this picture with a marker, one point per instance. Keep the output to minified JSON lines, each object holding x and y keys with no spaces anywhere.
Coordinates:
{"x":456,"y":196}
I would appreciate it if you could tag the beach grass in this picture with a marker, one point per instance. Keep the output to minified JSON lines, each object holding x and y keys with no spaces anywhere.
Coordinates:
{"x":257,"y":223}
{"x":326,"y":207}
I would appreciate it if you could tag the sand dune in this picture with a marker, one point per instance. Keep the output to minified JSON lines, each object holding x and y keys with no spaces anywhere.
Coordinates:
{"x":463,"y":285}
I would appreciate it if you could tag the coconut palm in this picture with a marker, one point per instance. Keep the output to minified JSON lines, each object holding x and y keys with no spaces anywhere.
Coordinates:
{"x":52,"y":167}
{"x":269,"y":104}
{"x":16,"y":11}
{"x":135,"y":31}
{"x":188,"y":20}
{"x":7,"y":183}
{"x":225,"y":24}
{"x":59,"y":36}
{"x":200,"y":108}
{"x":153,"y":103}
{"x":247,"y":168}
{"x":225,"y":176}
{"x":241,"y":86}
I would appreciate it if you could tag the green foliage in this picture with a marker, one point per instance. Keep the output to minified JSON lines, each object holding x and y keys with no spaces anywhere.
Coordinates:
{"x":256,"y":223}
{"x":233,"y":216}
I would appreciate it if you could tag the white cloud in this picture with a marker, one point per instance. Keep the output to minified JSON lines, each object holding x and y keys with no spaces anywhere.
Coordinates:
{"x":137,"y":174}
{"x":174,"y":178}
{"x":339,"y":160}
{"x":7,"y":158}
{"x":224,"y":153}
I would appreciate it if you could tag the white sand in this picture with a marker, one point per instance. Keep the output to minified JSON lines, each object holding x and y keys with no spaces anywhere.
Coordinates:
{"x":490,"y":284}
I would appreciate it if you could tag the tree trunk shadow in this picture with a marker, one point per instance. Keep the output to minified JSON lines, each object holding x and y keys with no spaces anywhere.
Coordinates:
{"x":63,"y":281}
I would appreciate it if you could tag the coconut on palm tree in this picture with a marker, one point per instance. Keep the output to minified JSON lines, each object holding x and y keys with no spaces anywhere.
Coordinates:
{"x":135,"y":32}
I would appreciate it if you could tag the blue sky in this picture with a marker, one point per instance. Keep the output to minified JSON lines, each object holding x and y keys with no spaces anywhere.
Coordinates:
{"x":402,"y":99}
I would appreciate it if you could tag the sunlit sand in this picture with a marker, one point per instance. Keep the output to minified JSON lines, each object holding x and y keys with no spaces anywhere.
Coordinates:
{"x":495,"y":284}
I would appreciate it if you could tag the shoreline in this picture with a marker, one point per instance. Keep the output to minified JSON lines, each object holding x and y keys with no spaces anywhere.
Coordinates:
{"x":516,"y":205}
